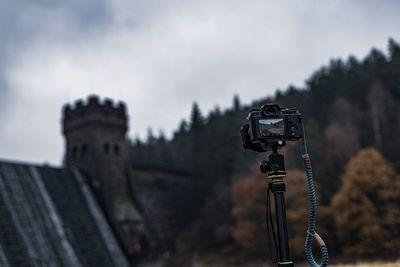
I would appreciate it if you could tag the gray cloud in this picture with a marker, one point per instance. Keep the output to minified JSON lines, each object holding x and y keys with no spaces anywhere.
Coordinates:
{"x":23,"y":22}
{"x":165,"y":54}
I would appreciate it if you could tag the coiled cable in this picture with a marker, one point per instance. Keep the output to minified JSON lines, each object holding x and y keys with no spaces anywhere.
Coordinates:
{"x":312,"y":214}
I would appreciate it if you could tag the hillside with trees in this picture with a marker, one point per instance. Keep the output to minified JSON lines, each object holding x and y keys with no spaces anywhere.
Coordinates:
{"x":351,"y":110}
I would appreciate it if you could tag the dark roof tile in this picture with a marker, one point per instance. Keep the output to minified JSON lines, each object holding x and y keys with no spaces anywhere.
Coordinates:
{"x":50,"y":218}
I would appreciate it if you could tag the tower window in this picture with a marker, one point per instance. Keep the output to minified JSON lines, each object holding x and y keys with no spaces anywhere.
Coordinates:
{"x":75,"y":151}
{"x":116,"y":150}
{"x":106,"y":148}
{"x":84,"y":150}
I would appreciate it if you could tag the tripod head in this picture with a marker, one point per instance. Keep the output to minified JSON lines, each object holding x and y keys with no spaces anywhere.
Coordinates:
{"x":274,"y":167}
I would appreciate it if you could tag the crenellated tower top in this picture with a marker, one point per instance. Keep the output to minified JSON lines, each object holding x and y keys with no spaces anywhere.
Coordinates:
{"x":94,"y":112}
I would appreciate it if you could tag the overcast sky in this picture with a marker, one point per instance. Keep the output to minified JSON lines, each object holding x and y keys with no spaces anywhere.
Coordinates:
{"x":160,"y":56}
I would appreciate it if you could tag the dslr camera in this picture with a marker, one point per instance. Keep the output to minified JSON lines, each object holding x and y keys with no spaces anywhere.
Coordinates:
{"x":271,"y":126}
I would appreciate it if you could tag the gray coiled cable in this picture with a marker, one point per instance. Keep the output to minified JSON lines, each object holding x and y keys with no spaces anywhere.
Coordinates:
{"x":312,"y":214}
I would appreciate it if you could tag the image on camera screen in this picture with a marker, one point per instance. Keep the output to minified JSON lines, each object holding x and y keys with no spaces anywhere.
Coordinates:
{"x":272,"y":127}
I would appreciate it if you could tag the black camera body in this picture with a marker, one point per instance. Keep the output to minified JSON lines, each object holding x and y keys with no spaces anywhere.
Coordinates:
{"x":271,"y":125}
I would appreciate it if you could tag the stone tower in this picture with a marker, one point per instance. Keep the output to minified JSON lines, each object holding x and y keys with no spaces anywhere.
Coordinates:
{"x":96,"y":144}
{"x":95,"y":141}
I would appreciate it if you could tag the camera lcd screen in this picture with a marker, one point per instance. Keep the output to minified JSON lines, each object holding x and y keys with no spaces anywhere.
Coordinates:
{"x":272,"y":127}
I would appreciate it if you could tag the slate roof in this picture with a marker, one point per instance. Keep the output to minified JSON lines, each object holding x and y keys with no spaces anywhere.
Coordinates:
{"x":49,"y":217}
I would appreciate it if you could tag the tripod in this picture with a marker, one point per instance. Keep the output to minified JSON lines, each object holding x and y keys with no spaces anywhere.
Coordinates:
{"x":275,"y":169}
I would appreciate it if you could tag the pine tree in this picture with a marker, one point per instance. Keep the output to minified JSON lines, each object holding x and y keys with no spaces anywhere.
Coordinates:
{"x":161,"y":137}
{"x":196,"y":118}
{"x":236,"y":103}
{"x":137,"y":142}
{"x":151,"y":139}
{"x":367,"y":207}
{"x":182,"y":129}
{"x":394,"y":49}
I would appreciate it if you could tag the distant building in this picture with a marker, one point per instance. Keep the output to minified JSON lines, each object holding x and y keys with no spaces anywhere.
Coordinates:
{"x":143,"y":202}
{"x":95,"y":143}
{"x":100,"y":209}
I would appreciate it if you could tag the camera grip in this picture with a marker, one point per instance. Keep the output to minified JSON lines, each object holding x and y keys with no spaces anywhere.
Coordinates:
{"x":246,"y":140}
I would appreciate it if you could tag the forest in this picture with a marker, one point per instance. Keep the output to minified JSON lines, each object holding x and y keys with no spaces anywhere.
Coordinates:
{"x":351,"y":109}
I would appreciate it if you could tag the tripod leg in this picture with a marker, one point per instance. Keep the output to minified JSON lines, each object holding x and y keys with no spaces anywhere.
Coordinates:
{"x":278,"y":189}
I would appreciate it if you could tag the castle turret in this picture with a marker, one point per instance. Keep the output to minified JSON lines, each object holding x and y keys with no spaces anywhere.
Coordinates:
{"x":95,"y":137}
{"x":96,"y":143}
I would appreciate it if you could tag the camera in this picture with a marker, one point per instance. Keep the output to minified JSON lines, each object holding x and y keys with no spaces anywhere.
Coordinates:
{"x":271,"y":125}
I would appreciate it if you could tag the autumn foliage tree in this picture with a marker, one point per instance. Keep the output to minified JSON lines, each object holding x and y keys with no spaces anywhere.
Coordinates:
{"x":296,"y":197}
{"x":249,"y":197}
{"x":249,"y":207}
{"x":367,"y":207}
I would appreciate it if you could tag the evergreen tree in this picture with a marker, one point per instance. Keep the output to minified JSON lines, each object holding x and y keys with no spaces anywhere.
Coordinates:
{"x":161,"y":138}
{"x":236,"y":103}
{"x":196,"y":118}
{"x":394,"y":49}
{"x":182,"y":128}
{"x":151,"y":139}
{"x":342,"y":142}
{"x":138,"y":142}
